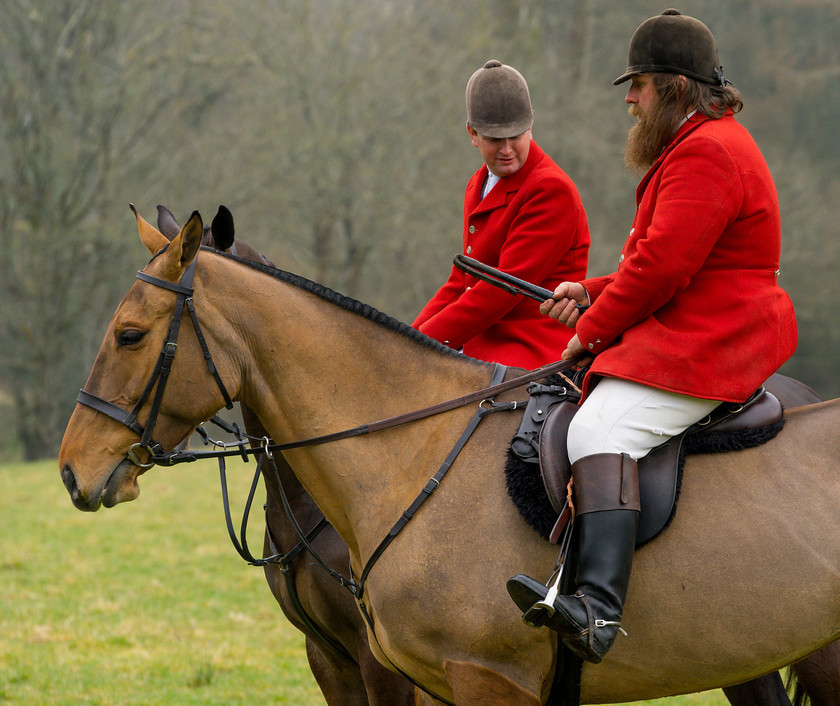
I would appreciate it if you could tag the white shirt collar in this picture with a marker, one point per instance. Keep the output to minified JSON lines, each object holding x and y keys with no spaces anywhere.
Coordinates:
{"x":686,"y":118}
{"x":489,"y":183}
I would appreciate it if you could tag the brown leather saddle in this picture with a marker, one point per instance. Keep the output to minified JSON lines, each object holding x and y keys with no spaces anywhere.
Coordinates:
{"x":729,"y":427}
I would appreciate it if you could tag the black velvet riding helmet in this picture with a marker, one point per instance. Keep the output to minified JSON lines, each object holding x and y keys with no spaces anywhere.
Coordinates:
{"x":498,"y":101}
{"x":677,"y":44}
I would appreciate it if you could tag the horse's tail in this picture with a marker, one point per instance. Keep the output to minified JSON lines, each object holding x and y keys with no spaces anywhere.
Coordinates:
{"x":794,"y":689}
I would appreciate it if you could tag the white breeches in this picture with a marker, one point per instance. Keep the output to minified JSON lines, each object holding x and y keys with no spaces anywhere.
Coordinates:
{"x":626,"y":417}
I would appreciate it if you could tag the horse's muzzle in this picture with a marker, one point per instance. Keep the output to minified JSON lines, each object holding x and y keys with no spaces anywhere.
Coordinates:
{"x":79,"y":500}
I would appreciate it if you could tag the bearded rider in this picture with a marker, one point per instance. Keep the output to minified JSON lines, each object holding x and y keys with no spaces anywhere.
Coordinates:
{"x":694,"y":315}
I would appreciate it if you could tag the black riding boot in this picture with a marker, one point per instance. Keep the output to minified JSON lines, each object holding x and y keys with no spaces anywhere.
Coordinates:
{"x":607,"y":506}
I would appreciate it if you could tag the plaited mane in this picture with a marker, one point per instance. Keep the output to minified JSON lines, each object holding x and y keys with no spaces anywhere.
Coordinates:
{"x":347,"y":303}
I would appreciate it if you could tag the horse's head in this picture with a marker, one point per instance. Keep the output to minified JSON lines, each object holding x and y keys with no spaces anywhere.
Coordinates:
{"x":101,"y":457}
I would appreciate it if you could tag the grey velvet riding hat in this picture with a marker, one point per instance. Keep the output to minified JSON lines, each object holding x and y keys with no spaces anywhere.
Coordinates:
{"x":498,"y":101}
{"x":674,"y":43}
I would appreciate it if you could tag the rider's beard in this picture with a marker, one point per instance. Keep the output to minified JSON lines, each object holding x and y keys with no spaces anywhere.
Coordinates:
{"x":651,"y":134}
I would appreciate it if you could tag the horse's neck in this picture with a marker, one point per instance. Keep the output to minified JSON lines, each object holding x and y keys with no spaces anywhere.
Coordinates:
{"x":313,"y":368}
{"x":320,"y":369}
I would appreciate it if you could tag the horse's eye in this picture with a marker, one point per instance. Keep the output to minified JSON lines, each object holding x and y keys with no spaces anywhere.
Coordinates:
{"x":130,"y":337}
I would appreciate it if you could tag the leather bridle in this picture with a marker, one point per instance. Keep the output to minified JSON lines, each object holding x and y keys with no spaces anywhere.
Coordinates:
{"x":184,"y":291}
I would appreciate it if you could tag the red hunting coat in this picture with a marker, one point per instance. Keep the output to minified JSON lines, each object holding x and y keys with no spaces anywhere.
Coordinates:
{"x":695,"y":306}
{"x":532,"y":225}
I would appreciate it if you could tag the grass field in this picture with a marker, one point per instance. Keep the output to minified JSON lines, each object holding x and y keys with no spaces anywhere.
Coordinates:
{"x":146,"y":603}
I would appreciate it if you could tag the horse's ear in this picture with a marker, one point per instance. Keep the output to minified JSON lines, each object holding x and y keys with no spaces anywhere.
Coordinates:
{"x":222,"y":228}
{"x":166,"y":222}
{"x":152,"y":238}
{"x":190,"y":238}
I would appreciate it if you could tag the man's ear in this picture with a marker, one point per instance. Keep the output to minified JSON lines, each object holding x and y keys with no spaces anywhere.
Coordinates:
{"x":473,"y":135}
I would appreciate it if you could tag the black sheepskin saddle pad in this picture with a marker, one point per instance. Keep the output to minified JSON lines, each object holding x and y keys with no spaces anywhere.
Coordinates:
{"x":525,"y":486}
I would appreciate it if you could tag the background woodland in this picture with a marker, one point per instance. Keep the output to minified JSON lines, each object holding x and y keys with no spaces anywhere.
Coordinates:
{"x":334,"y":131}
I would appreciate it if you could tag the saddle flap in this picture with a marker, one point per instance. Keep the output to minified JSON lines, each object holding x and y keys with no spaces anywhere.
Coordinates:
{"x":554,"y":458}
{"x":659,"y":480}
{"x":658,"y":472}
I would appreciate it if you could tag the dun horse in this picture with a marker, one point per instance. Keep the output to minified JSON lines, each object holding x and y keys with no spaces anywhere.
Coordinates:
{"x":337,"y":646}
{"x":750,"y":538}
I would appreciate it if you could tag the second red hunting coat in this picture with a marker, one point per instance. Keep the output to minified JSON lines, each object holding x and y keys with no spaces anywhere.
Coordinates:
{"x":532,"y":225}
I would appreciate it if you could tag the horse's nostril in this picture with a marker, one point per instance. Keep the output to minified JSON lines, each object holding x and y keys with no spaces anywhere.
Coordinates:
{"x":69,"y":479}
{"x":81,"y":500}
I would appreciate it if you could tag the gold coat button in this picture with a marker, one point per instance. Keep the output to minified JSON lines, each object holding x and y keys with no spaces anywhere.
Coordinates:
{"x":469,"y":249}
{"x":472,"y":229}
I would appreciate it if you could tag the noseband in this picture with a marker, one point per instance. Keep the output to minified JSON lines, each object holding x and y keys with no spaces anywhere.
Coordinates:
{"x":160,"y":375}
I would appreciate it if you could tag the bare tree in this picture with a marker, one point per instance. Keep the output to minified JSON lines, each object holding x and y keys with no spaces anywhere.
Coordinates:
{"x":367,"y":116}
{"x":78,"y":98}
{"x":334,"y":129}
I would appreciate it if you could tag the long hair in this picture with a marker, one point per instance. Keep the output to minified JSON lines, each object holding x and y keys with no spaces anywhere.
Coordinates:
{"x":676,"y":95}
{"x":711,"y":101}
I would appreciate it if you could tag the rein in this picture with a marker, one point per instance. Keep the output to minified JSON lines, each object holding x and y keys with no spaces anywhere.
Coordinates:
{"x":481,"y":396}
{"x":266,"y":450}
